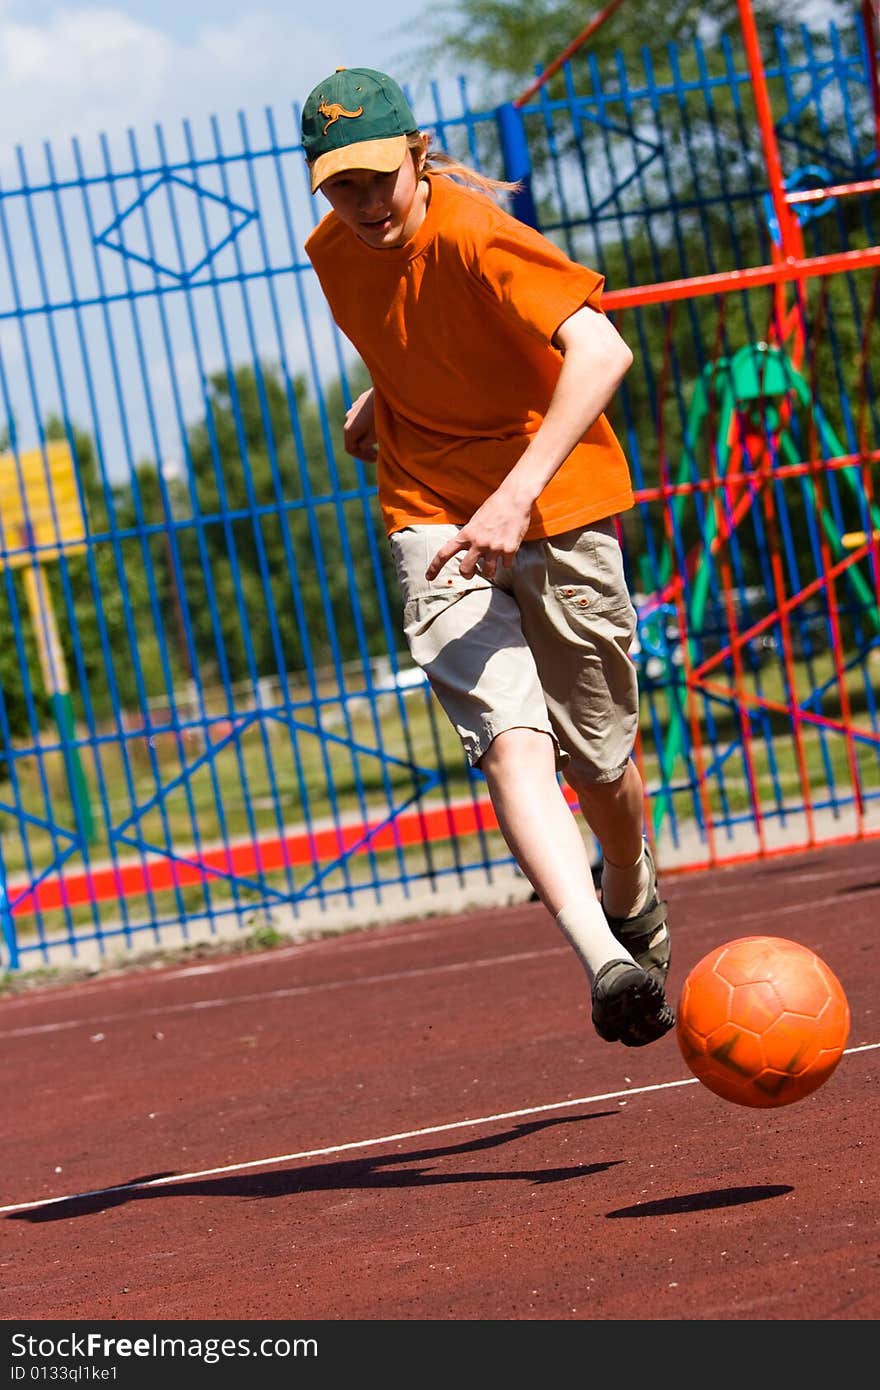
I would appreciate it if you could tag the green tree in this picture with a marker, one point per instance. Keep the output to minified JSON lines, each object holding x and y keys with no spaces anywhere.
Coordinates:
{"x":104,"y":596}
{"x":272,"y":528}
{"x":503,"y":43}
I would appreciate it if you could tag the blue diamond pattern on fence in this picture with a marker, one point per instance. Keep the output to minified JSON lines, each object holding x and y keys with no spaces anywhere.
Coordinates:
{"x":175,"y":227}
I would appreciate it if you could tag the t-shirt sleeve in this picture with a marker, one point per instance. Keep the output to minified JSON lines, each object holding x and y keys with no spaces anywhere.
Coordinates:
{"x":534,"y":279}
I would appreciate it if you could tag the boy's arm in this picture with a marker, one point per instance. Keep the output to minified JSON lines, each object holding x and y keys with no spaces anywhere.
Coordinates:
{"x":359,"y":428}
{"x":595,"y":361}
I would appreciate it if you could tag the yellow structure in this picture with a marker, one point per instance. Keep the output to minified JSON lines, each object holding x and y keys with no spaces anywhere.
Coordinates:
{"x":41,"y":518}
{"x":40,"y":506}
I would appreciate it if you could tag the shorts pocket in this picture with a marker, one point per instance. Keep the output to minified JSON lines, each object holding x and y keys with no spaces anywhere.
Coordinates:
{"x":585,"y":571}
{"x":428,"y":602}
{"x":578,"y":599}
{"x":412,"y":550}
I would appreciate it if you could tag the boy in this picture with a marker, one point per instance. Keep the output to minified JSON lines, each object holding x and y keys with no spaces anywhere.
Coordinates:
{"x":499,"y":478}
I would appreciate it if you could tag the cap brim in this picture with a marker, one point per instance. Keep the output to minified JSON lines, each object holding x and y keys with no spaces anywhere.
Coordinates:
{"x":382,"y":156}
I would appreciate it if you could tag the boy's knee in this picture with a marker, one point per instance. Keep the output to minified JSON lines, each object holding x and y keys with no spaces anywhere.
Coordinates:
{"x":515,"y":745}
{"x":588,"y":789}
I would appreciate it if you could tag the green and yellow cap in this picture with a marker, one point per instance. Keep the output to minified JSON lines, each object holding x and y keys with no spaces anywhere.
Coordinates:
{"x":355,"y":119}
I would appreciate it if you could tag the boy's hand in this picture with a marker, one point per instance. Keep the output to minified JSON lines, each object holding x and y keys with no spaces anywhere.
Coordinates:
{"x":359,"y":429}
{"x":494,"y":533}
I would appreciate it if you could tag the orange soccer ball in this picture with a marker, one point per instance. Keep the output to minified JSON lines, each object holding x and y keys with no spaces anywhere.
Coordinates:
{"x":762,"y":1021}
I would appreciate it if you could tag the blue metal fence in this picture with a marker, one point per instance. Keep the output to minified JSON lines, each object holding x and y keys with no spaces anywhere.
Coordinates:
{"x":206,"y":717}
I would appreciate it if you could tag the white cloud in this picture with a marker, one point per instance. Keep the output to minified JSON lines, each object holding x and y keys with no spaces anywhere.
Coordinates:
{"x":87,"y":70}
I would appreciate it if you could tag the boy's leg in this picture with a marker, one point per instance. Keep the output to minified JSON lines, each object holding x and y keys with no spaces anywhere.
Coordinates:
{"x":467,"y":636}
{"x":535,"y":818}
{"x":627,"y":1003}
{"x":614,"y":812}
{"x":579,"y":619}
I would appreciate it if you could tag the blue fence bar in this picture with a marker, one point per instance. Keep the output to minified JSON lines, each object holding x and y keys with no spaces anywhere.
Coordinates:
{"x":248,"y":746}
{"x":517,"y":162}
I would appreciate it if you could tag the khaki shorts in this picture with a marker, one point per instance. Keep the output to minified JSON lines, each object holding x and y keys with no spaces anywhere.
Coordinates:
{"x":543,"y":646}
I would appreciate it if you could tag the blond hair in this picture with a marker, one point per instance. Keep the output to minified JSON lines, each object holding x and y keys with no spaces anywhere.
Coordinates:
{"x":429,"y":161}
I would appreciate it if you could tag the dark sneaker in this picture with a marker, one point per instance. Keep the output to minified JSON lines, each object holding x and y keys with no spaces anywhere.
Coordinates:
{"x":646,"y":936}
{"x":629,"y":1005}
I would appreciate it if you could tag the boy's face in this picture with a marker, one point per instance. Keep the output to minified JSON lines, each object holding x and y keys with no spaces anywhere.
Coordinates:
{"x":384,"y":210}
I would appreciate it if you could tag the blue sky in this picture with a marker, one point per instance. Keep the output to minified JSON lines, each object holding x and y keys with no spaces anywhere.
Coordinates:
{"x":80,"y":67}
{"x":120,"y":68}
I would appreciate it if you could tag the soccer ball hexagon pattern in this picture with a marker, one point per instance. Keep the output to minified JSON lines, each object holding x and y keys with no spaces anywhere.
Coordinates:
{"x":762,"y":1021}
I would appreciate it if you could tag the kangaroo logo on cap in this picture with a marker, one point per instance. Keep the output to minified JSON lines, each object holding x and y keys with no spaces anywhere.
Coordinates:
{"x":334,"y":110}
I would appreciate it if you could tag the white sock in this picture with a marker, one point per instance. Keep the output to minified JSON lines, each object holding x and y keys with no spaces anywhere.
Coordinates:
{"x":625,"y":888}
{"x":585,"y":927}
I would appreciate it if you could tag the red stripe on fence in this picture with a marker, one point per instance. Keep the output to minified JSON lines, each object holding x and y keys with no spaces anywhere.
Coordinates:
{"x":252,"y":857}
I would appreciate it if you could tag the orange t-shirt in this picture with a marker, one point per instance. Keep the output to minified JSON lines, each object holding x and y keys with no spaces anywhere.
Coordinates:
{"x":455,"y":329}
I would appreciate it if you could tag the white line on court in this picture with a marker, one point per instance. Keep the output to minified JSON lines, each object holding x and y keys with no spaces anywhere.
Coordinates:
{"x":175,"y":1178}
{"x":195,"y":1005}
{"x":743,"y":923}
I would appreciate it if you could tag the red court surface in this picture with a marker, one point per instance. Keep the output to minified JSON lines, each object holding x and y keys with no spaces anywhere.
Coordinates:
{"x":417,"y":1122}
